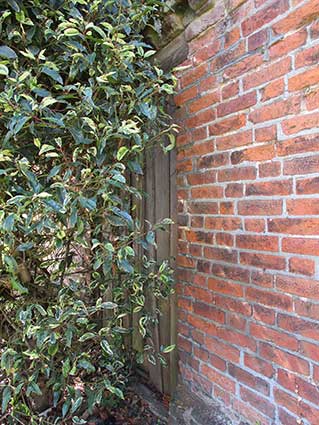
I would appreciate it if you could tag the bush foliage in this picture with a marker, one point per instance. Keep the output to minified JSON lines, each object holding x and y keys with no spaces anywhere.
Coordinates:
{"x":80,"y":102}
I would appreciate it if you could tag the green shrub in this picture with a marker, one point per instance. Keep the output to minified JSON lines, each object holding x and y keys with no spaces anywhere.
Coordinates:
{"x":80,"y":101}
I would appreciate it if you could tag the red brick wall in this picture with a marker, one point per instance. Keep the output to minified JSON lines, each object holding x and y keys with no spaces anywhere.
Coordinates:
{"x":248,"y":190}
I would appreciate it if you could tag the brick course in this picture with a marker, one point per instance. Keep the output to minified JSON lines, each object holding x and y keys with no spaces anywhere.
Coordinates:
{"x":248,"y":199}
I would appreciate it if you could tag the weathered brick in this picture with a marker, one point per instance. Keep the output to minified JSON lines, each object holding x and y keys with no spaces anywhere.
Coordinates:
{"x":236,"y":105}
{"x":303,"y":80}
{"x":258,"y":365}
{"x":235,"y":174}
{"x":303,"y":165}
{"x":260,"y":403}
{"x":268,"y":73}
{"x":294,"y":226}
{"x":288,"y":44}
{"x":264,"y":16}
{"x":257,"y":243}
{"x":273,"y":188}
{"x":248,"y":379}
{"x":297,"y":18}
{"x":283,"y":359}
{"x":304,"y":206}
{"x":227,"y":125}
{"x":307,"y":288}
{"x":259,"y":153}
{"x":260,"y":207}
{"x":302,"y":266}
{"x":270,"y":299}
{"x":274,"y":262}
{"x":234,"y":140}
{"x":277,"y":109}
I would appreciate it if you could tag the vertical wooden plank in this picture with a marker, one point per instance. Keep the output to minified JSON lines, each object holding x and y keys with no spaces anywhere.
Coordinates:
{"x":137,"y":339}
{"x":173,"y":253}
{"x":150,"y":208}
{"x":162,"y":205}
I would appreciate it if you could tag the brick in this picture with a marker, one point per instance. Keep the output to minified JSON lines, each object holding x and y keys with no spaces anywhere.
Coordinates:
{"x":203,"y":178}
{"x":187,"y":262}
{"x":288,"y":44}
{"x":304,"y":206}
{"x":199,"y":294}
{"x":297,"y":18}
{"x":207,"y":83}
{"x":209,"y":312}
{"x":227,"y":125}
{"x":193,"y":75}
{"x":235,"y":174}
{"x":300,"y":144}
{"x":186,"y":95}
{"x":283,"y":359}
{"x":307,"y":309}
{"x":302,"y":266}
{"x":270,"y":169}
{"x":220,"y":254}
{"x":194,"y":149}
{"x":303,"y":80}
{"x":274,"y":89}
{"x":222,"y":350}
{"x":308,"y":186}
{"x":184,"y":344}
{"x":206,"y":52}
{"x":257,"y":40}
{"x":258,"y":365}
{"x":297,"y":406}
{"x":259,"y":153}
{"x":300,"y":245}
{"x":251,"y":414}
{"x":299,"y":326}
{"x":263,"y":261}
{"x":301,"y":123}
{"x":255,"y":225}
{"x":264,"y":16}
{"x":219,"y":379}
{"x":306,"y":288}
{"x":234,"y":190}
{"x":207,"y":192}
{"x":243,"y":66}
{"x":232,"y":305}
{"x":312,"y":99}
{"x":236,"y":338}
{"x":264,"y":314}
{"x":314,"y":30}
{"x":277,"y":109}
{"x":230,"y":90}
{"x":260,"y":207}
{"x":203,"y":207}
{"x":257,"y":243}
{"x":286,"y":418}
{"x":294,"y":226}
{"x":236,"y":105}
{"x":303,"y":165}
{"x":228,"y":56}
{"x":213,"y":161}
{"x":248,"y":379}
{"x":236,"y":322}
{"x":227,"y":208}
{"x":231,"y":272}
{"x":225,"y":287}
{"x":309,"y":350}
{"x":276,"y":337}
{"x":234,"y":140}
{"x":201,"y":118}
{"x":266,"y":134}
{"x":232,"y":37}
{"x":199,"y":324}
{"x":270,"y":299}
{"x":263,"y":279}
{"x":223,"y":223}
{"x":273,"y":188}
{"x":267,"y":73}
{"x":224,"y":239}
{"x":260,"y":403}
{"x":204,"y":101}
{"x":199,"y":236}
{"x":307,"y":57}
{"x":296,"y":384}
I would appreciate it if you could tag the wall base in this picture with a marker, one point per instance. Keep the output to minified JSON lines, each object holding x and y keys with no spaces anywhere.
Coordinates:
{"x":189,"y":408}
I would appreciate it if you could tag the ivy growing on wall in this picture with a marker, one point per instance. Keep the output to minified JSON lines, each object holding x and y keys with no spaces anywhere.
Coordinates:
{"x":80,"y":102}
